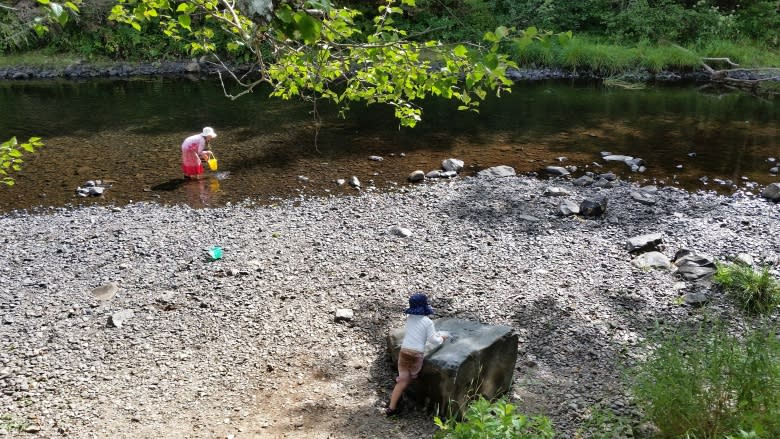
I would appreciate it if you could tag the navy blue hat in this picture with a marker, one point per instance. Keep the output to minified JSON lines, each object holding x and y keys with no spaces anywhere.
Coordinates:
{"x":418,"y":305}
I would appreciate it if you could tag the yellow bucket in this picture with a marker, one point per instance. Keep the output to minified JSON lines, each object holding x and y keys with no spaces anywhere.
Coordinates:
{"x":212,"y":162}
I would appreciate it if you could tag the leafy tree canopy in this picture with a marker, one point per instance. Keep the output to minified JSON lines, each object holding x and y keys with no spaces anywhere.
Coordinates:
{"x":314,"y":49}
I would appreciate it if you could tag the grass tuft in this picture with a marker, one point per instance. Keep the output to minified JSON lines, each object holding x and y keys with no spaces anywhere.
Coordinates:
{"x":757,"y":291}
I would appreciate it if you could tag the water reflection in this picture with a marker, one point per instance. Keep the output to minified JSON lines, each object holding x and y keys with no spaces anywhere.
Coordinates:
{"x":200,"y":192}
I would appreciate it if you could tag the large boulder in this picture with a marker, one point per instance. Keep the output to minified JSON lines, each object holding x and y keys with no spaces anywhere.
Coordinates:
{"x":477,"y":359}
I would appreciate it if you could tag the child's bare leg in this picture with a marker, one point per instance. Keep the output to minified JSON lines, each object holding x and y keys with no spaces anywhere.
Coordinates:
{"x":401,"y":384}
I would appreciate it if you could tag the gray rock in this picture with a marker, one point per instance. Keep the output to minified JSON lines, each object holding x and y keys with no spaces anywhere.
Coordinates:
{"x":403,"y":232}
{"x":340,"y":181}
{"x":583,"y":181}
{"x":643,"y":198}
{"x":192,"y":67}
{"x":650,"y":241}
{"x":617,"y":158}
{"x":354,"y":182}
{"x":554,"y":191}
{"x":530,"y":218}
{"x":608,"y":176}
{"x":774,"y":170}
{"x":448,"y":174}
{"x":744,"y":259}
{"x":416,"y":176}
{"x":604,"y":183}
{"x":649,"y":189}
{"x":568,"y":207}
{"x":477,"y":359}
{"x":605,"y":153}
{"x":556,"y":170}
{"x":652,"y":260}
{"x":634,"y":162}
{"x":303,"y":179}
{"x":452,"y":165}
{"x":696,"y":299}
{"x":105,"y":292}
{"x":376,"y":158}
{"x":593,"y":206}
{"x":772,"y":192}
{"x":497,"y":172}
{"x":692,"y":266}
{"x":344,"y":315}
{"x":433,"y":174}
{"x":118,"y":318}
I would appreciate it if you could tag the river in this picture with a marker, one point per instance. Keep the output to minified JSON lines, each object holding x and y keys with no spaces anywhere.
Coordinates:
{"x":128,"y":134}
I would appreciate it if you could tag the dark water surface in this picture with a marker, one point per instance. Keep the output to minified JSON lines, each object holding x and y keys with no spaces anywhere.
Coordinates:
{"x":129,"y":133}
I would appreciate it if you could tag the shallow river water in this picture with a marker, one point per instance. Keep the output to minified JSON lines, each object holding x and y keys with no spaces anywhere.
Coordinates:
{"x":128,"y":133}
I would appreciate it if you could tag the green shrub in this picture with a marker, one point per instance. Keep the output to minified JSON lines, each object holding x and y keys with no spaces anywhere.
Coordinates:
{"x":709,"y":384}
{"x":488,"y":420}
{"x":755,"y":290}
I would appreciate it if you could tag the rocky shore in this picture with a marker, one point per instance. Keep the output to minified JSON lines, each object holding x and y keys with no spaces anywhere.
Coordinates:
{"x":116,"y":322}
{"x":86,"y":70}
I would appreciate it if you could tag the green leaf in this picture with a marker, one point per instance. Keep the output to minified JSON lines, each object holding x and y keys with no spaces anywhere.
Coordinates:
{"x":40,"y":29}
{"x":184,"y":21}
{"x":56,"y":9}
{"x":309,"y":27}
{"x":44,"y":2}
{"x":460,"y":51}
{"x":72,"y":6}
{"x":408,"y":3}
{"x":285,"y":14}
{"x":501,"y":32}
{"x":491,"y":61}
{"x":183,"y":7}
{"x":531,"y":32}
{"x":135,"y":25}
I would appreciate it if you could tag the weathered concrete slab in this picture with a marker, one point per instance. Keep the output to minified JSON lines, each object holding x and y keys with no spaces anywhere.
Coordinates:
{"x":477,"y":359}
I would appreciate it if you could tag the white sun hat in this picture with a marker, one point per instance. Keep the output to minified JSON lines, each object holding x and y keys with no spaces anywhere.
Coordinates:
{"x":208,"y":132}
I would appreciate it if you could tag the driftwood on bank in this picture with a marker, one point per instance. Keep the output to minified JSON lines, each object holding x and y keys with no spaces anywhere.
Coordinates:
{"x":751,"y":79}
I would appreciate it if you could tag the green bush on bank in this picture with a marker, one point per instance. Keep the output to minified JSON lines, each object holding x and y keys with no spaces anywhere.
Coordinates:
{"x":755,"y":290}
{"x":484,"y":419}
{"x":710,"y":384}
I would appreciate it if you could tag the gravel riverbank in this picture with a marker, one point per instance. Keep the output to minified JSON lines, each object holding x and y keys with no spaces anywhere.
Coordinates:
{"x":248,"y":346}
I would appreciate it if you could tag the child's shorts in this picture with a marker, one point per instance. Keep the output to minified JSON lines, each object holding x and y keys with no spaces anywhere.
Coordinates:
{"x":410,"y":361}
